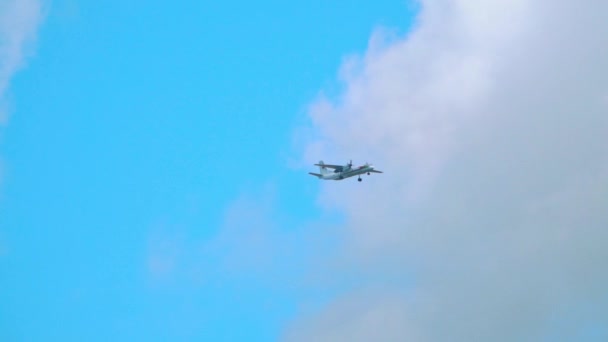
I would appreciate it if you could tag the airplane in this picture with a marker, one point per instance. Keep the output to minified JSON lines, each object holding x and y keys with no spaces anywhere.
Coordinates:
{"x":343,"y":171}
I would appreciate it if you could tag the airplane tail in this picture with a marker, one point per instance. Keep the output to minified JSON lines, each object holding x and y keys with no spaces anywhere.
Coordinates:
{"x":322,"y":169}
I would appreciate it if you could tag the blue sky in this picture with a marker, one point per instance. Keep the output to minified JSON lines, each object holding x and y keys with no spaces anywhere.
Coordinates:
{"x":143,"y":137}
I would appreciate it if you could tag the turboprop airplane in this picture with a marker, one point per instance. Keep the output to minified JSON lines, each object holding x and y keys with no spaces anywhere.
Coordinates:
{"x":343,"y":171}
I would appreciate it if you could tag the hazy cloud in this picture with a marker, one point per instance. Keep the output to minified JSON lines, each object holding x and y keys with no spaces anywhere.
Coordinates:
{"x":358,"y":317}
{"x":250,"y":246}
{"x":491,"y":220}
{"x":165,"y":251}
{"x":19,"y":21}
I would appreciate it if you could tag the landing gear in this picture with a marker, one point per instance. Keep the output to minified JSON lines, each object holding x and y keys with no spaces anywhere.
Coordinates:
{"x":359,"y":179}
{"x":368,"y":173}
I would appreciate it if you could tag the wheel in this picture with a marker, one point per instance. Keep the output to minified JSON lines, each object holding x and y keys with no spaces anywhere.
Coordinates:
{"x":368,"y":173}
{"x":359,"y":179}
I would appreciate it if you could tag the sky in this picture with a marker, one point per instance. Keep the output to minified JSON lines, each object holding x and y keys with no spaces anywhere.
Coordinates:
{"x":154,"y":163}
{"x":147,"y":150}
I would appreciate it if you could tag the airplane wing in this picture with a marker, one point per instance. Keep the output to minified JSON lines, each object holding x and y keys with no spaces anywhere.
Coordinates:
{"x":315,"y":174}
{"x":330,"y":166}
{"x":376,"y":171}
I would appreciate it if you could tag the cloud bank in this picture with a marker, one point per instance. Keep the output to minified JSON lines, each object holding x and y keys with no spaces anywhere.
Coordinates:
{"x":19,"y":21}
{"x":491,"y":221}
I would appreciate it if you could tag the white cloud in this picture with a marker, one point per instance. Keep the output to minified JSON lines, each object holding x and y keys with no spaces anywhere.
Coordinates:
{"x":19,"y":21}
{"x":490,"y":122}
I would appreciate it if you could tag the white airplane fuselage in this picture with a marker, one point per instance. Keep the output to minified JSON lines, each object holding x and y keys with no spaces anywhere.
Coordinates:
{"x":339,"y":175}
